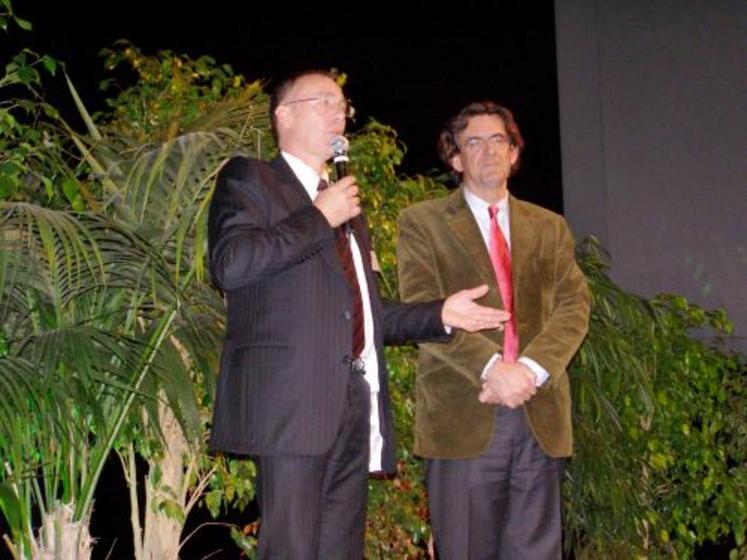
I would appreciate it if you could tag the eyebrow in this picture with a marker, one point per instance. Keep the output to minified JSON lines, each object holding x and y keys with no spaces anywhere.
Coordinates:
{"x":322,"y":93}
{"x":497,"y":134}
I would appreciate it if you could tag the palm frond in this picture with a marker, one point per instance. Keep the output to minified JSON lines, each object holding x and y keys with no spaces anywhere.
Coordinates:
{"x":243,"y":119}
{"x":63,"y":257}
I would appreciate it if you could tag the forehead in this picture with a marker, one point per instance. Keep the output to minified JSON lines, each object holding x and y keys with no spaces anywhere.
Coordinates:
{"x":314,"y":85}
{"x":483,"y":125}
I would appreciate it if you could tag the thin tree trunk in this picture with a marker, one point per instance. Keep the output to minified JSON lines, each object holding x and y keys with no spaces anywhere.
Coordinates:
{"x":129,"y":466}
{"x":61,"y":538}
{"x":166,"y":496}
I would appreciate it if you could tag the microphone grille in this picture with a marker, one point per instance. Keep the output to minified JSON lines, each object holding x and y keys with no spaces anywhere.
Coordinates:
{"x":339,"y":145}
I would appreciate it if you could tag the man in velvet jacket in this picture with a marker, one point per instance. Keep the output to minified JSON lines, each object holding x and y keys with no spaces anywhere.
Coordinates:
{"x":493,"y":428}
{"x":295,"y":392}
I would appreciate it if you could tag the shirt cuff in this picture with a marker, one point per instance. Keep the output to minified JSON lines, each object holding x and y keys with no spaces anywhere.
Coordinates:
{"x":448,"y":329}
{"x":491,"y":361}
{"x":540,"y":374}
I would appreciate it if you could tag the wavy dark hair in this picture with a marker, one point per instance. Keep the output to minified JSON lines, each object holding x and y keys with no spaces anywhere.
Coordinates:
{"x":447,"y":140}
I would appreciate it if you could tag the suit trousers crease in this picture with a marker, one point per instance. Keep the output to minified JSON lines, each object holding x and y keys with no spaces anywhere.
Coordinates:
{"x":314,"y":507}
{"x":503,"y":504}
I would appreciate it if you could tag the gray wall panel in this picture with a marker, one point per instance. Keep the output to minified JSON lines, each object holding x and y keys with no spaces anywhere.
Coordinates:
{"x":653,"y":105}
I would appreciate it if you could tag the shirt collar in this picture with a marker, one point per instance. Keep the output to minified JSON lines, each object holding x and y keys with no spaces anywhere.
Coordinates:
{"x":480,"y":208}
{"x":305,"y":174}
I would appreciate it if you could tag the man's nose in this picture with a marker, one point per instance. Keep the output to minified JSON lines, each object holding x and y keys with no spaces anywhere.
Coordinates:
{"x":338,"y":116}
{"x":490,"y":147}
{"x":338,"y":110}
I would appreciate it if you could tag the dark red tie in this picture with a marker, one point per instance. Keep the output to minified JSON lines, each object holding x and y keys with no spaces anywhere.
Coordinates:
{"x":501,"y":259}
{"x":348,"y":266}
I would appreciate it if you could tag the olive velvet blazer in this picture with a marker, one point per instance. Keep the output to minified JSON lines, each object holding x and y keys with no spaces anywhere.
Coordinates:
{"x":440,"y":250}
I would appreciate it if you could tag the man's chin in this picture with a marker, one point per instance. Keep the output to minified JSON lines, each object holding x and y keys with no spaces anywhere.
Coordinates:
{"x":495,"y":179}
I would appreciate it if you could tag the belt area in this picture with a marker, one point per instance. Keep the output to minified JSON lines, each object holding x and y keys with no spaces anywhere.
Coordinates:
{"x":357,"y":366}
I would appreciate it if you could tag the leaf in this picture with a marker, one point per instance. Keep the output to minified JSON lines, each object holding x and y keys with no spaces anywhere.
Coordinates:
{"x":213,"y":501}
{"x":11,"y":508}
{"x":246,"y":543}
{"x":90,"y":125}
{"x":27,"y":75}
{"x":172,"y":510}
{"x":8,"y":185}
{"x":50,"y":111}
{"x":48,"y":187}
{"x":22,"y":23}
{"x":50,"y":64}
{"x":70,"y":188}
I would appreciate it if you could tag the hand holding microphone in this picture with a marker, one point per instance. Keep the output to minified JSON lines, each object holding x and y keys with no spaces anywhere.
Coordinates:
{"x":340,"y":202}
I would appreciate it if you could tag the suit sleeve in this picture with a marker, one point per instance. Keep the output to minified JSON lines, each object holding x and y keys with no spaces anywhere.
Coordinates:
{"x":245,"y":244}
{"x":413,"y":322}
{"x":419,"y":281}
{"x":566,"y":326}
{"x":403,"y":323}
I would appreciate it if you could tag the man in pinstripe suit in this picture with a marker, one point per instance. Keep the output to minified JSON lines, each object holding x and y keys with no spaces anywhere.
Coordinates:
{"x":302,"y":386}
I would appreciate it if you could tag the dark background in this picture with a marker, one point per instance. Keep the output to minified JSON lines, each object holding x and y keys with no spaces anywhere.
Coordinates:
{"x":410,"y":69}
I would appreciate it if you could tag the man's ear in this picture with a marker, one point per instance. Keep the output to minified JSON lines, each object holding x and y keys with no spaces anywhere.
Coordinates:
{"x":282,"y":116}
{"x":513,"y":155}
{"x":456,"y":162}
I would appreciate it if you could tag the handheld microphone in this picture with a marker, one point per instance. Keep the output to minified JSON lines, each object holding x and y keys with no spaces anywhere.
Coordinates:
{"x":339,"y":145}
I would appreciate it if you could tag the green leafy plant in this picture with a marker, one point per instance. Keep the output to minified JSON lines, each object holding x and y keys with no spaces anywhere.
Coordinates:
{"x":127,"y":354}
{"x":158,"y":168}
{"x":659,"y":467}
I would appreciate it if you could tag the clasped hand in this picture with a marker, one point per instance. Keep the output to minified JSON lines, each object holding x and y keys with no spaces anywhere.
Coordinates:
{"x":509,"y":384}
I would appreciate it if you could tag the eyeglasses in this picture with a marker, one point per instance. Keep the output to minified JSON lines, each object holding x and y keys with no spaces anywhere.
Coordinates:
{"x":478,"y":144}
{"x":327,"y":104}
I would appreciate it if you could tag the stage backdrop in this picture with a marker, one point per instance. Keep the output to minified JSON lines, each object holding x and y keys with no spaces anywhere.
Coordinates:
{"x":653,"y":114}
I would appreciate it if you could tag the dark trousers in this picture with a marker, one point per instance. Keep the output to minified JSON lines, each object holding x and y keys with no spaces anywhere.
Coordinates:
{"x":314,"y":507}
{"x":504,"y":504}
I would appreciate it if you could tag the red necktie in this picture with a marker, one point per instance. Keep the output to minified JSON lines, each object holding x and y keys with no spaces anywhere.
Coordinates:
{"x":501,"y":259}
{"x":348,"y":266}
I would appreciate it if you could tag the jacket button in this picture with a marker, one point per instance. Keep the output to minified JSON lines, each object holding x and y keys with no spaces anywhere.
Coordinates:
{"x":347,"y":315}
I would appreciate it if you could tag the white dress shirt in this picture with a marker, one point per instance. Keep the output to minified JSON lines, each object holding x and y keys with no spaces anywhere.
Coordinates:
{"x":480,"y":211}
{"x":310,"y":181}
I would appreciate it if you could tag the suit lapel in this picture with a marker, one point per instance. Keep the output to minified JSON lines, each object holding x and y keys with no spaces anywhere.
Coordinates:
{"x":363,"y":238}
{"x":463,"y":226}
{"x":522,"y":241}
{"x":288,"y":185}
{"x":296,"y":197}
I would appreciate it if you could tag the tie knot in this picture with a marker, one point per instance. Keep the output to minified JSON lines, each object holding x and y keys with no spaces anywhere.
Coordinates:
{"x":493,"y":211}
{"x":323,"y":184}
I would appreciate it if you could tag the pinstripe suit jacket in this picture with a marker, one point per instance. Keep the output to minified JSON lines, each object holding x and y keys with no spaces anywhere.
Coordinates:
{"x":286,"y":358}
